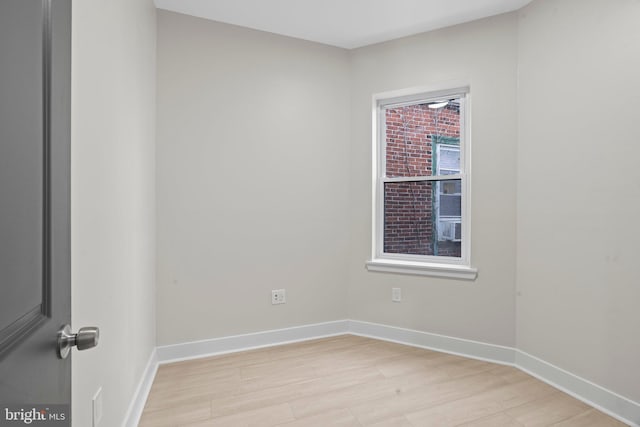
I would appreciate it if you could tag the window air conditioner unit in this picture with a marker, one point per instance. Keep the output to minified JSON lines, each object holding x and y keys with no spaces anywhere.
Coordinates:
{"x":451,"y":230}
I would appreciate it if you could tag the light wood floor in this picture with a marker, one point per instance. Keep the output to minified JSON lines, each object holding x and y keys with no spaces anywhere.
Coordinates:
{"x":355,"y":381}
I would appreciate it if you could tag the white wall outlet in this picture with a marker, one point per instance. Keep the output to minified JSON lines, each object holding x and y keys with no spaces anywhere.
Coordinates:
{"x":278,"y":296}
{"x":97,"y":407}
{"x":396,"y":295}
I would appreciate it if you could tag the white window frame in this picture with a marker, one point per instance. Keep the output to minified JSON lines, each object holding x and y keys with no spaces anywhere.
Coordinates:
{"x":446,"y":218}
{"x":428,"y":265}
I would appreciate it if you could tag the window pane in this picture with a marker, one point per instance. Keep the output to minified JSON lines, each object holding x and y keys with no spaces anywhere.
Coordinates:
{"x":450,"y":205}
{"x":416,"y":135}
{"x":448,"y":159}
{"x":451,"y":187}
{"x":420,"y":220}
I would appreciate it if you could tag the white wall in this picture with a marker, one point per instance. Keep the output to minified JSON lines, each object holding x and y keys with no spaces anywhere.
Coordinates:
{"x":578,"y":188}
{"x":252,"y":161}
{"x":482,"y":54}
{"x":113,"y":192}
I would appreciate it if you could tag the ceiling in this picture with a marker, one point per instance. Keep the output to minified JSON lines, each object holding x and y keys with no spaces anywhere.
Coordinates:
{"x":344,"y":23}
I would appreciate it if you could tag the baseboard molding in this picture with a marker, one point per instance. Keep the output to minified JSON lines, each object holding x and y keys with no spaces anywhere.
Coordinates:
{"x":458,"y":346}
{"x":136,"y":407}
{"x":605,"y":400}
{"x":231,"y":344}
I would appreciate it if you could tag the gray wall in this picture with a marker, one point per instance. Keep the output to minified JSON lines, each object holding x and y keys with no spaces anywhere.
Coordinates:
{"x":578,"y":188}
{"x":252,"y":156}
{"x":483,"y":55}
{"x":255,"y":166}
{"x":113,"y":192}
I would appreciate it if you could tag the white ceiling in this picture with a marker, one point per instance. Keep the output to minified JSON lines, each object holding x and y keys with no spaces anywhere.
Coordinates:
{"x":343,"y":23}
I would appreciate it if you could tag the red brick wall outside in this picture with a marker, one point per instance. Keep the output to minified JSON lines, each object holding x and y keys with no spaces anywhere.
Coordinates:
{"x":408,"y":206}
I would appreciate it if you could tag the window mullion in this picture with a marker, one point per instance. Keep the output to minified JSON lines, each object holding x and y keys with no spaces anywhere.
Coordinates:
{"x":423,"y":178}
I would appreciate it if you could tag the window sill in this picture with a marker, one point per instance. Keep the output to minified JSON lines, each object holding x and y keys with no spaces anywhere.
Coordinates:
{"x":423,"y":269}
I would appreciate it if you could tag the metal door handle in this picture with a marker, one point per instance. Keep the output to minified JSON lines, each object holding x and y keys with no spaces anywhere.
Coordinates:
{"x":86,"y":338}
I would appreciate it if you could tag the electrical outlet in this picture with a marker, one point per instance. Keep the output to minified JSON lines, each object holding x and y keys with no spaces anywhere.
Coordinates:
{"x":396,"y":295}
{"x":278,"y":296}
{"x":96,"y":403}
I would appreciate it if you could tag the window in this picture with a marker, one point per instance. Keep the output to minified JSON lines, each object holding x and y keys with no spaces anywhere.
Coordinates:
{"x":420,"y":214}
{"x":449,"y":196}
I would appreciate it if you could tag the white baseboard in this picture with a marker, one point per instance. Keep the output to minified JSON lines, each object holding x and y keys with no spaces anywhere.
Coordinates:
{"x":204,"y":348}
{"x":462,"y":347}
{"x":605,"y":400}
{"x":136,"y":406}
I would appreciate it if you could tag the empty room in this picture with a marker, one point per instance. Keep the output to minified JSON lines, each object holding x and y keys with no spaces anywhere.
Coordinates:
{"x":320,"y":213}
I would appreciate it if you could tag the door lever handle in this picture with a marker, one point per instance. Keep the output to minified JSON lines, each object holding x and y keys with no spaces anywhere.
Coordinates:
{"x":86,"y":338}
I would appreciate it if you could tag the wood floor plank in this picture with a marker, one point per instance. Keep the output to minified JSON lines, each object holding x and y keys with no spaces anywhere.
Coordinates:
{"x":590,"y":418}
{"x":334,"y":418}
{"x":176,"y":415}
{"x":490,"y":402}
{"x":345,"y":397}
{"x":228,"y":360}
{"x":414,"y":362}
{"x":393,"y":422}
{"x":285,"y":393}
{"x":497,"y":420}
{"x":264,"y":417}
{"x":509,"y":373}
{"x":285,"y":376}
{"x":547,"y":411}
{"x":354,"y":381}
{"x":193,"y":388}
{"x":428,"y":395}
{"x":317,"y":347}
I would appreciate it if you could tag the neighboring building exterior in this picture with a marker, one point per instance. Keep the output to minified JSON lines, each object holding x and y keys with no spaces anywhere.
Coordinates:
{"x":422,"y":217}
